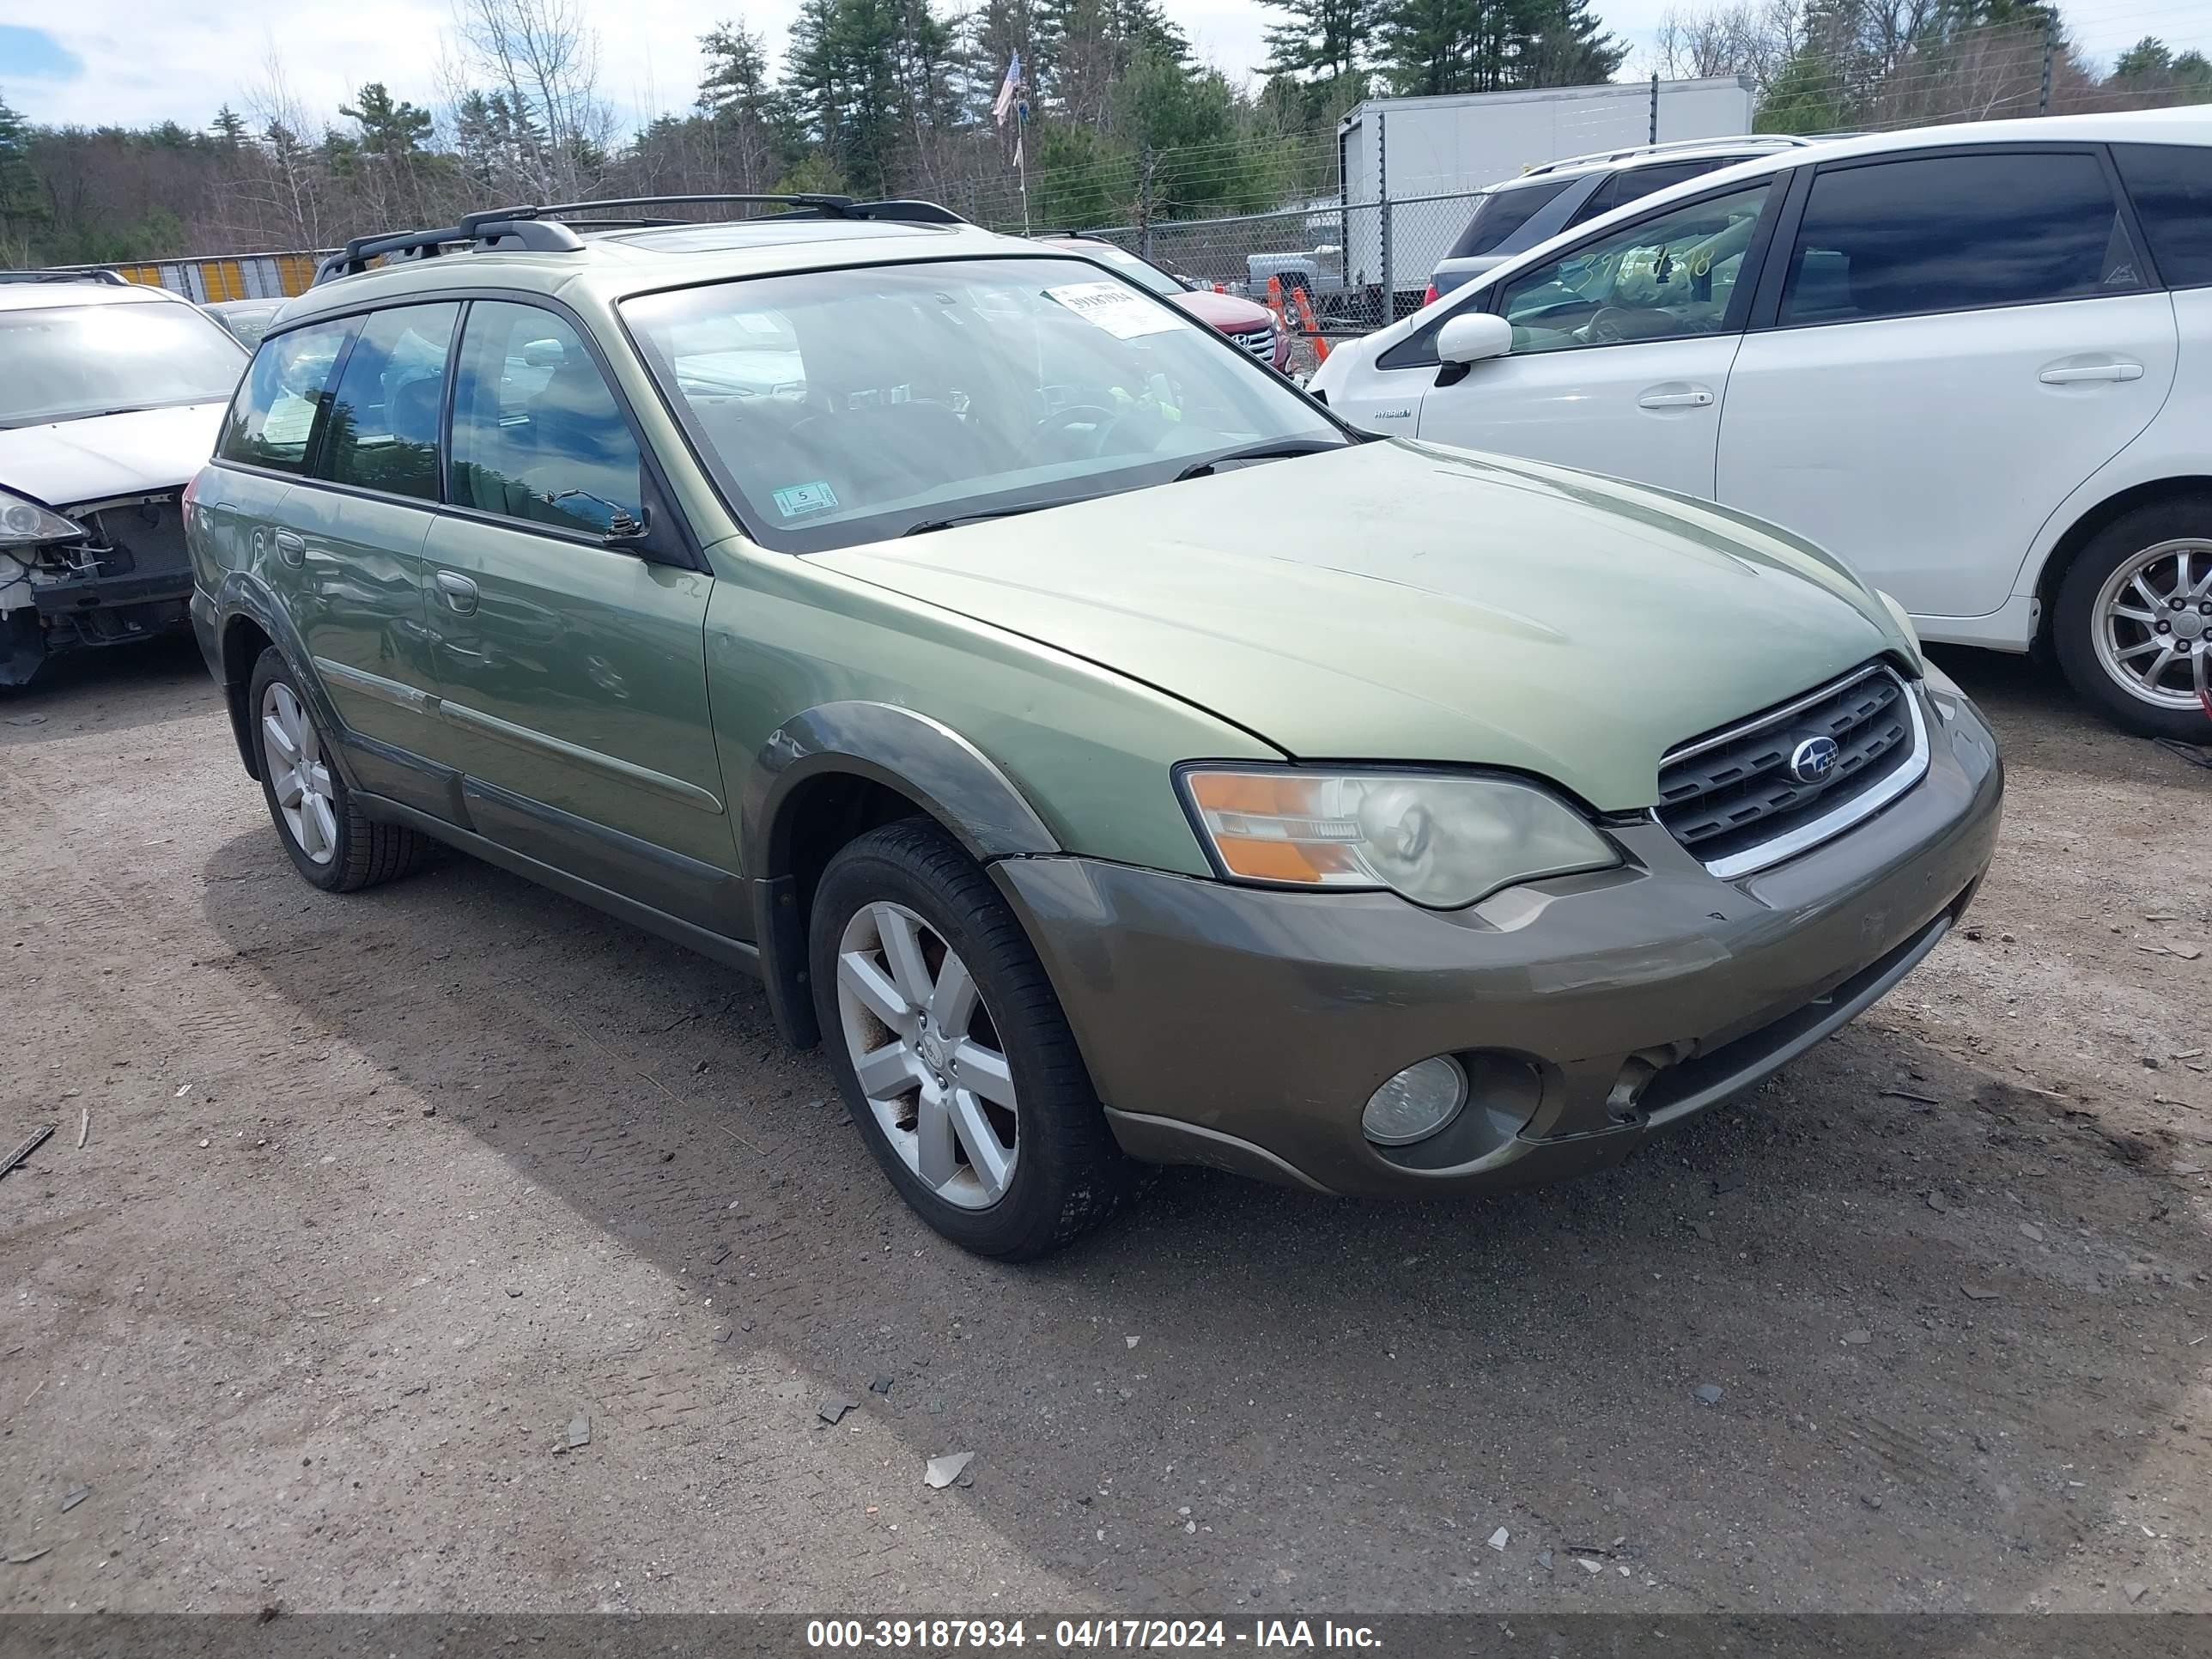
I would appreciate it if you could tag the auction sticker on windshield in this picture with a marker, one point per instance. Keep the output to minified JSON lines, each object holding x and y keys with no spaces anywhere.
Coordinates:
{"x":804,"y":498}
{"x":1121,"y":311}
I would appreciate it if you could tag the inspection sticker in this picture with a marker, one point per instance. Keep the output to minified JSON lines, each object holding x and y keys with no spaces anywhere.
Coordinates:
{"x":1121,"y":311}
{"x":796,"y":499}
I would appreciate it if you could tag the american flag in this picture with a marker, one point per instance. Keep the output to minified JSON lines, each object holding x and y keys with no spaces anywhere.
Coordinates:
{"x":1009,"y":91}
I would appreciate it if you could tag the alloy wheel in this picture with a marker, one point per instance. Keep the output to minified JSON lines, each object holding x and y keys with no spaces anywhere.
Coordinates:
{"x":299,"y":776}
{"x":929,"y":1059}
{"x":2152,"y":623}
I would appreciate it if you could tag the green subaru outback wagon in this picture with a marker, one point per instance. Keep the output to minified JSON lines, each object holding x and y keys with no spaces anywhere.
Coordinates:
{"x":1112,"y":756}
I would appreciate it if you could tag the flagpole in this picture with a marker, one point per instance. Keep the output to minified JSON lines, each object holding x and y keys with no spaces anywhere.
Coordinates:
{"x":1021,"y":164}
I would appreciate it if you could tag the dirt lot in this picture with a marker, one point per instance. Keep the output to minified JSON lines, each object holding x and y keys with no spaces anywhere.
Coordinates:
{"x":382,"y":1193}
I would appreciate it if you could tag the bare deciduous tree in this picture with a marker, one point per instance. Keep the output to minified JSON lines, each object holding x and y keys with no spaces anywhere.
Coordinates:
{"x":1738,"y":37}
{"x":545,"y":59}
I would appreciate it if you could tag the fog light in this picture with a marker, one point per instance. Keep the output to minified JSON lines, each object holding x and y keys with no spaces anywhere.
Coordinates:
{"x":1416,"y":1103}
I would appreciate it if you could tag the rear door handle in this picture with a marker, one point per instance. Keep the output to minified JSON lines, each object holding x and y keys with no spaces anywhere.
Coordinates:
{"x":460,"y":592}
{"x":2078,"y":373}
{"x":291,"y":547}
{"x":1696,"y":397}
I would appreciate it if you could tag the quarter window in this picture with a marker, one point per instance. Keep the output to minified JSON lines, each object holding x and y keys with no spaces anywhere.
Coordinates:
{"x":272,"y":414}
{"x":2172,"y":184}
{"x":1956,"y":232}
{"x":536,"y":434}
{"x":382,"y":431}
{"x":1668,"y":277}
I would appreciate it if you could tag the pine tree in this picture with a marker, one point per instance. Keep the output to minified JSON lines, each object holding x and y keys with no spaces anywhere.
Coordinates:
{"x":391,"y":129}
{"x":869,"y":78}
{"x":1319,"y":41}
{"x":1426,"y":45}
{"x":229,"y":128}
{"x":1085,"y":48}
{"x":810,"y":77}
{"x":473,"y":139}
{"x":736,"y":84}
{"x":990,"y":36}
{"x":22,"y":197}
{"x":1567,"y":45}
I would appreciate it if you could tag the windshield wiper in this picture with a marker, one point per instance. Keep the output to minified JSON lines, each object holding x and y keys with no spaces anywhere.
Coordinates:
{"x":1274,"y":449}
{"x":993,"y":512}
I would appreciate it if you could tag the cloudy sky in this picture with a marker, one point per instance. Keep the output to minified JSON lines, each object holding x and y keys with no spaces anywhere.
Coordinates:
{"x":134,"y":61}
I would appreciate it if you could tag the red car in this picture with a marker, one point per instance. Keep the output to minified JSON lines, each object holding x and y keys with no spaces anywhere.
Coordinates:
{"x":1252,"y":326}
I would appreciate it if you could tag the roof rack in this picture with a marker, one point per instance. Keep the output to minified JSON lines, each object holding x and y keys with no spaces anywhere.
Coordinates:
{"x":552,"y":229}
{"x":114,"y":278}
{"x":1628,"y":152}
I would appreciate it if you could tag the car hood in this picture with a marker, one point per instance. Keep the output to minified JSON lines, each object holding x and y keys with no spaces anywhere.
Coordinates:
{"x":68,"y":463}
{"x":1223,"y":311}
{"x":1406,"y":602}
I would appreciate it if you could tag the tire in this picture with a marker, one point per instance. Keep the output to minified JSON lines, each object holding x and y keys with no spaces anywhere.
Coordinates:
{"x":2083,"y":615}
{"x":1062,"y":1172}
{"x":333,"y":846}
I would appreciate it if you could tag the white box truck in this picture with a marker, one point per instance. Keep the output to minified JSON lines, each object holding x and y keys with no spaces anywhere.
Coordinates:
{"x":1423,"y":156}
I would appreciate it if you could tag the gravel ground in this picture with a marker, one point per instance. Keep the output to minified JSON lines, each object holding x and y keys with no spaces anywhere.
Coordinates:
{"x":383,"y":1194}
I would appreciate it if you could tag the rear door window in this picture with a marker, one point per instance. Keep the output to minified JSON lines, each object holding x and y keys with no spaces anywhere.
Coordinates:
{"x":536,"y":434}
{"x":1957,"y":232}
{"x":1500,"y":213}
{"x":2171,"y":187}
{"x":272,"y":415}
{"x":382,"y":431}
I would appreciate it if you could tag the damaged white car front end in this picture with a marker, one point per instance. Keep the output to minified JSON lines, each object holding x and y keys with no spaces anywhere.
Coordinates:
{"x":110,"y":399}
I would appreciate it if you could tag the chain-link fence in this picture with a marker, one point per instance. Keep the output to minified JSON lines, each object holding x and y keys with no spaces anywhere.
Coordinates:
{"x":1358,"y":266}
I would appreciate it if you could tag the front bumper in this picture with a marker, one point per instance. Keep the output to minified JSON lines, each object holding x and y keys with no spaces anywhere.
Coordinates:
{"x":1245,"y":1028}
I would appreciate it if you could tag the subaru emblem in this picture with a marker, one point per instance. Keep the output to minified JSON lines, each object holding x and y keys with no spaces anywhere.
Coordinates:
{"x":1812,"y":760}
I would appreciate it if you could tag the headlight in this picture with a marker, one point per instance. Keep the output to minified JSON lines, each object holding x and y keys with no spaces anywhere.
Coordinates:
{"x":1440,"y":841}
{"x":1944,"y":693}
{"x":22,"y":522}
{"x":1904,"y":624}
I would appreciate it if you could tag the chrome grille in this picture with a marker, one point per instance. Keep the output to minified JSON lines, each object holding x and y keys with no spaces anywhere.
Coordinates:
{"x":1259,"y":341}
{"x":1734,"y":800}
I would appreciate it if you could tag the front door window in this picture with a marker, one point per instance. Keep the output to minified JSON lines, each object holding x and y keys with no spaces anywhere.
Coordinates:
{"x":1669,"y":277}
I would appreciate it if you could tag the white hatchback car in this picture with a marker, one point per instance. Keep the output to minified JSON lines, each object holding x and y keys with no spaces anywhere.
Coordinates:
{"x":1976,"y":362}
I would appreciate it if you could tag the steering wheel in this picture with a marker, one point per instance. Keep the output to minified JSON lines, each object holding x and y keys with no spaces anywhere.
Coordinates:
{"x":1075,"y":415}
{"x":1609,"y":326}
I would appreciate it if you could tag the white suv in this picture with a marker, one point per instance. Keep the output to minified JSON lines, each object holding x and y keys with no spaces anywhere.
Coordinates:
{"x":1976,"y":362}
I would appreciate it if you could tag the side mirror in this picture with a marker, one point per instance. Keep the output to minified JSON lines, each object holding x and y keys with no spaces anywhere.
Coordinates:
{"x":646,"y":539}
{"x":1472,"y":337}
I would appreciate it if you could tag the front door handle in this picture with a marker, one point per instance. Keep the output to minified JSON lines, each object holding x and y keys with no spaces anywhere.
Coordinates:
{"x":2081,"y":372}
{"x":1696,"y":397}
{"x":460,"y":592}
{"x":291,"y":547}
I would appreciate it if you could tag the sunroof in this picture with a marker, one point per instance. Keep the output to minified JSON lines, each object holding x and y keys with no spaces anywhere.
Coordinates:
{"x":761,"y":233}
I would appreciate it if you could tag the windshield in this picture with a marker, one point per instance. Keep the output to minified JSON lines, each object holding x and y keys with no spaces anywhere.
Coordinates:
{"x":846,"y":406}
{"x":65,"y":362}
